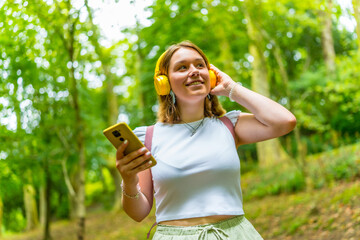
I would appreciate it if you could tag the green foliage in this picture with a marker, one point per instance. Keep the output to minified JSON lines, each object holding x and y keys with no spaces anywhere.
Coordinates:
{"x":15,"y":221}
{"x":340,"y":164}
{"x":329,"y":106}
{"x":272,"y":181}
{"x":343,"y":169}
{"x":93,"y":192}
{"x":12,"y":197}
{"x":60,"y":203}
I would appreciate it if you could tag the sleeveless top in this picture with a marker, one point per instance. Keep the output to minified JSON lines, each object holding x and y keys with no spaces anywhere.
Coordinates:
{"x":195,"y":176}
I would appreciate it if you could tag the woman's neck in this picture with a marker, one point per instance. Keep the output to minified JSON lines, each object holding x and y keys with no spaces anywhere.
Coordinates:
{"x":191,"y":112}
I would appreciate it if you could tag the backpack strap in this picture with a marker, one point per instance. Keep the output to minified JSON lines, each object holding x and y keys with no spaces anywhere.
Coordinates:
{"x":148,"y":137}
{"x":229,"y":125}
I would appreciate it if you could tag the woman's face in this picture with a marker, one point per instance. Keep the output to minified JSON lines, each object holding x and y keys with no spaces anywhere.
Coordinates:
{"x":188,"y":75}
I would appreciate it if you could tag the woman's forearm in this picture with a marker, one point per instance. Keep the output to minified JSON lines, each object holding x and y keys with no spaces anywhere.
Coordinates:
{"x":137,"y":208}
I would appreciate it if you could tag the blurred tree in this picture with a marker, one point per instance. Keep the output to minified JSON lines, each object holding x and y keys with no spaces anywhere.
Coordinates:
{"x":30,"y":207}
{"x":356,"y":6}
{"x":269,"y":152}
{"x":18,"y":66}
{"x":66,"y":15}
{"x":107,"y":59}
{"x":1,"y":214}
{"x":139,"y":61}
{"x":327,"y":39}
{"x":62,"y":34}
{"x":283,"y":32}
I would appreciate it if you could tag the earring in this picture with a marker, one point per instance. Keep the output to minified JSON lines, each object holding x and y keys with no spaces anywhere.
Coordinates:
{"x":173,"y":97}
{"x":209,"y":96}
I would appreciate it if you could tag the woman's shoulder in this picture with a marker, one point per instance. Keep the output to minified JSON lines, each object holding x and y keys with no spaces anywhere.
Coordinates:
{"x":140,"y":132}
{"x":233,"y":116}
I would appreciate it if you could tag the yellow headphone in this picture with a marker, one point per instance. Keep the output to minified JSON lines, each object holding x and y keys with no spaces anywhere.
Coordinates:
{"x":162,"y":84}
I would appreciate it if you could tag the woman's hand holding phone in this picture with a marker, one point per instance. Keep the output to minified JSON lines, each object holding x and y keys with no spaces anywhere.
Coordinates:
{"x":131,"y":164}
{"x":132,"y":156}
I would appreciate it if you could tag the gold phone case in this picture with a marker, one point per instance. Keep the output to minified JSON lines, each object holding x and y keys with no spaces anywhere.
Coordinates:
{"x":120,"y":132}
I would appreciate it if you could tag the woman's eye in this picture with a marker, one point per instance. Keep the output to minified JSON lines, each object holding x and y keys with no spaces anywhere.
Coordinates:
{"x":182,"y":68}
{"x":200,"y":65}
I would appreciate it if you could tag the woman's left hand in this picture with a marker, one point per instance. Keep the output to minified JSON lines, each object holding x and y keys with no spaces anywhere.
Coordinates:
{"x":224,"y":83}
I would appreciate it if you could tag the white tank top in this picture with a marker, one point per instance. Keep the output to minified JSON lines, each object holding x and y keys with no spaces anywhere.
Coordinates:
{"x":196,"y":176}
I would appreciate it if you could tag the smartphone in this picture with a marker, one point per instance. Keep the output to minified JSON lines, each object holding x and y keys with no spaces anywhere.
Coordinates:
{"x":120,"y":132}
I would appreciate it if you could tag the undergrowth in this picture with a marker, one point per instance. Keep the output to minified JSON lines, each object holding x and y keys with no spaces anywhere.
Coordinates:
{"x":342,"y":164}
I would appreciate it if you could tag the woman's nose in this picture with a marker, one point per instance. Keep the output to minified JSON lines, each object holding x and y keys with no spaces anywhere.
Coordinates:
{"x":194,"y":71}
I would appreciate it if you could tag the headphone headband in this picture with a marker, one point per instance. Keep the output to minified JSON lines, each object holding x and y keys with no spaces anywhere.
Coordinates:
{"x":157,"y":67}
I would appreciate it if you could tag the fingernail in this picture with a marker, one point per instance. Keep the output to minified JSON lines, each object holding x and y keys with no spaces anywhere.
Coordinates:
{"x":148,"y":154}
{"x":143,"y":149}
{"x":149,"y":162}
{"x":126,"y":141}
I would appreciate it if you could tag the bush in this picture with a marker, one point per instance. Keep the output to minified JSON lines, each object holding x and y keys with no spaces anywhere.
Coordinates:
{"x":343,"y":168}
{"x":323,"y":169}
{"x":14,"y":221}
{"x":273,"y":181}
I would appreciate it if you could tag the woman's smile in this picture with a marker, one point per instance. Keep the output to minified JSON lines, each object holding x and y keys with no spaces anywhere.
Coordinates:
{"x":194,"y":83}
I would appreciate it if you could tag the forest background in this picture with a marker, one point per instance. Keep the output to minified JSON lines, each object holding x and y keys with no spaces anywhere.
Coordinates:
{"x":62,"y":81}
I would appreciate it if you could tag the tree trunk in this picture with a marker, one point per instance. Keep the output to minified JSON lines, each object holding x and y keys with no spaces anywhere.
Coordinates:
{"x":42,"y":204}
{"x":270,"y":151}
{"x":302,"y":152}
{"x":45,"y":211}
{"x":72,"y":207}
{"x":356,"y":6}
{"x":80,"y":174}
{"x":30,"y":207}
{"x":80,"y":179}
{"x":77,"y":195}
{"x":118,"y":193}
{"x":327,"y":39}
{"x":1,"y":215}
{"x":68,"y":181}
{"x":301,"y":157}
{"x":112,"y":104}
{"x":45,"y":203}
{"x":79,"y":128}
{"x":113,"y":113}
{"x":139,"y":84}
{"x":48,"y":212}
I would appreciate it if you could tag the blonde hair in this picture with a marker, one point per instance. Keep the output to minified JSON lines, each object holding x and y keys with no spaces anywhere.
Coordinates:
{"x":169,"y":112}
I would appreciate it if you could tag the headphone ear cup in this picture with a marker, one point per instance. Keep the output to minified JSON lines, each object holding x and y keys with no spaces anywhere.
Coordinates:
{"x":162,"y":85}
{"x":213,"y":79}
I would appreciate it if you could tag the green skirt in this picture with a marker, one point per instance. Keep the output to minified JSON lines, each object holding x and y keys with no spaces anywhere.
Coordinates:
{"x":236,"y":228}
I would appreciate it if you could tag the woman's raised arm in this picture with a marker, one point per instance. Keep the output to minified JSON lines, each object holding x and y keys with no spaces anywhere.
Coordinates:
{"x":268,"y":119}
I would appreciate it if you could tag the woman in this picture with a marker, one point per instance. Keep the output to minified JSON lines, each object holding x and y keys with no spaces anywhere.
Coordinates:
{"x":196,"y":183}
